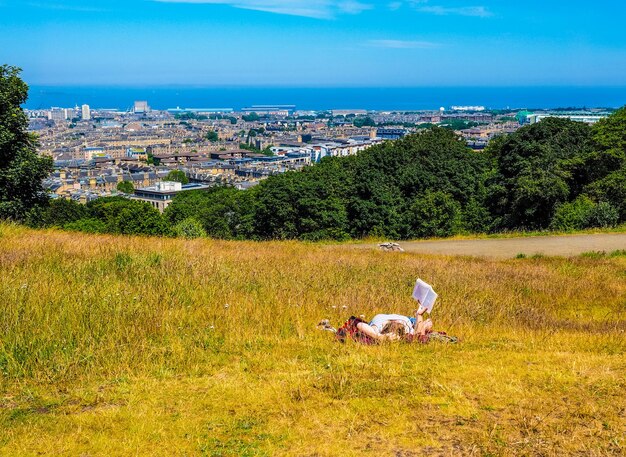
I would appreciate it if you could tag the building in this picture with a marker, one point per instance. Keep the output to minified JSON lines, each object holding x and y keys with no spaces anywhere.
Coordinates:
{"x":90,"y":153}
{"x":348,"y":112}
{"x":86,"y":113}
{"x":179,"y":110}
{"x":57,"y":114}
{"x":141,"y":107}
{"x":70,"y":113}
{"x":136,"y":153}
{"x":271,"y":110}
{"x":161,"y":195}
{"x":586,"y":118}
{"x":468,"y":108}
{"x":390,"y":133}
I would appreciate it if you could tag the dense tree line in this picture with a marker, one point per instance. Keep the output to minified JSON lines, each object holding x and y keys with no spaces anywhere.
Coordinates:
{"x":556,"y":174}
{"x":559,"y":174}
{"x":117,"y":215}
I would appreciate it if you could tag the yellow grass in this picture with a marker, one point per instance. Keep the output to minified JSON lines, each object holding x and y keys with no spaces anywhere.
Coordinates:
{"x":126,"y":346}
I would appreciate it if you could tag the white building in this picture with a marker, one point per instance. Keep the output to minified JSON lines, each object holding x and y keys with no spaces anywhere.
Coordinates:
{"x":586,"y":118}
{"x":161,"y":195}
{"x":468,"y":108}
{"x":141,"y":107}
{"x":86,"y":112}
{"x":57,"y":114}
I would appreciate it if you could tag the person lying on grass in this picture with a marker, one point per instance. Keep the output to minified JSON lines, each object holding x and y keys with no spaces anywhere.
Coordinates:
{"x":387,"y":327}
{"x":393,"y":327}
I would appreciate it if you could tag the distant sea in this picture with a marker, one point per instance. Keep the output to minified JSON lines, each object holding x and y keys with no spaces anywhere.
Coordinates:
{"x":122,"y":98}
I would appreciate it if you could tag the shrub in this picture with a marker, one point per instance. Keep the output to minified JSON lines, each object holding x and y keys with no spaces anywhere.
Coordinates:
{"x":612,"y":189}
{"x":573,"y":215}
{"x":603,"y":215}
{"x":189,"y":228}
{"x":86,"y":225}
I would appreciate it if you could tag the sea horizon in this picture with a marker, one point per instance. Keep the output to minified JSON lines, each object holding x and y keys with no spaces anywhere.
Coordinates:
{"x":326,"y":98}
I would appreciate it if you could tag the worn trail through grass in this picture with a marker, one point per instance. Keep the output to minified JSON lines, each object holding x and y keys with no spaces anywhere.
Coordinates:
{"x":507,"y":248}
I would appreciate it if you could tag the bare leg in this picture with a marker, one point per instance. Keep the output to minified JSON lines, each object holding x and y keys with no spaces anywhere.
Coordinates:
{"x":368,"y":330}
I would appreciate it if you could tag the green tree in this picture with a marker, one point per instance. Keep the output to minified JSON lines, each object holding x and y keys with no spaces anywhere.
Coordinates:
{"x":58,"y":213}
{"x":364,"y":121}
{"x":252,"y":117}
{"x":128,"y":217}
{"x":177,"y":176}
{"x":22,"y":170}
{"x":388,"y":177}
{"x":212,"y":136}
{"x":434,"y":214}
{"x":223,"y":212}
{"x":126,"y":187}
{"x":536,"y":169}
{"x":612,"y":189}
{"x":606,"y":166}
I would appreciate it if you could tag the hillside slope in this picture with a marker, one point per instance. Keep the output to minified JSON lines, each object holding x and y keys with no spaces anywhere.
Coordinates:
{"x":148,"y":346}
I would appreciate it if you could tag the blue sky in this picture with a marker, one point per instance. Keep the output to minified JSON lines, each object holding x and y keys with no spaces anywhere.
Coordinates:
{"x":310,"y":43}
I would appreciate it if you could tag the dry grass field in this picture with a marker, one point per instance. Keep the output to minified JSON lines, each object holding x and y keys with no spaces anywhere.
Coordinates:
{"x":145,"y":346}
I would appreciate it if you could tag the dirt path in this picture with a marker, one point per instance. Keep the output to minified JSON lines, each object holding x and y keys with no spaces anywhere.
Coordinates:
{"x":565,"y":245}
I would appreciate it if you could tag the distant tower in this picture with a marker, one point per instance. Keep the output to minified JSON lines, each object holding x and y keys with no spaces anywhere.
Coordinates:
{"x":442,"y":110}
{"x":86,"y":112}
{"x":141,"y":107}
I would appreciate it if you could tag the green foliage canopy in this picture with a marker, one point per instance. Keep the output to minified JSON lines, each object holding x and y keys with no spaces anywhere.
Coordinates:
{"x":537,"y":168}
{"x":126,"y":187}
{"x":177,"y":176}
{"x":127,"y":217}
{"x":212,"y":136}
{"x":22,"y":170}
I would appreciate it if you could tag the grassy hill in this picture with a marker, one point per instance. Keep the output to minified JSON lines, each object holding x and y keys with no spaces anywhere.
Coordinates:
{"x":147,"y":346}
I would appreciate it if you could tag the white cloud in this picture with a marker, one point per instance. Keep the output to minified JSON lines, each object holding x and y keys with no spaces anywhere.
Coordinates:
{"x":354,"y":7}
{"x":476,"y":11}
{"x":319,"y":9}
{"x":403,"y":44}
{"x":63,"y":7}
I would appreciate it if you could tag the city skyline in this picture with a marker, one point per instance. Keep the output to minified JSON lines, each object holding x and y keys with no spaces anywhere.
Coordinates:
{"x":316,"y":43}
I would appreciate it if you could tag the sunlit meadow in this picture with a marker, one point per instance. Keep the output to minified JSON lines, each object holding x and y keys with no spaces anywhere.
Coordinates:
{"x":146,"y":346}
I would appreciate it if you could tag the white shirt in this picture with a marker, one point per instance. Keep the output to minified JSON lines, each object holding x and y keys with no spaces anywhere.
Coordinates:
{"x":380,"y":320}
